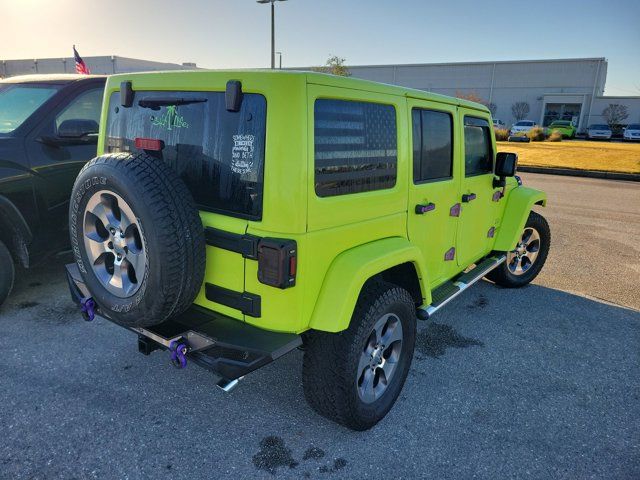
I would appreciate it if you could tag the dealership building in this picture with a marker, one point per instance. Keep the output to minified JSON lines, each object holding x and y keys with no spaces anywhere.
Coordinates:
{"x":567,"y":89}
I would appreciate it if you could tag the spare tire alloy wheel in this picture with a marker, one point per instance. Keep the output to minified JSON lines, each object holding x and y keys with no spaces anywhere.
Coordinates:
{"x":114,"y":243}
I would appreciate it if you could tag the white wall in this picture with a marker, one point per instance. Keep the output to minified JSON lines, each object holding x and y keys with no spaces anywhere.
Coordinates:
{"x":600,"y":103}
{"x":104,"y":65}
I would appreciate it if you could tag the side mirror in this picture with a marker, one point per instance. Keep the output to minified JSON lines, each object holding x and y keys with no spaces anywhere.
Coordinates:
{"x":77,"y":128}
{"x":506,"y":164}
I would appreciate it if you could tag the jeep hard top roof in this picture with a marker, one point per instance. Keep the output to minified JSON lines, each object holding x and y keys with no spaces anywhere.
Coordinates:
{"x":189,"y":76}
{"x":54,"y":78}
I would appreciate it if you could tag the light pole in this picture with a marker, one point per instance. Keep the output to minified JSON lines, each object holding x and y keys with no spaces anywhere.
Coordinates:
{"x":280,"y":59}
{"x":273,"y":35}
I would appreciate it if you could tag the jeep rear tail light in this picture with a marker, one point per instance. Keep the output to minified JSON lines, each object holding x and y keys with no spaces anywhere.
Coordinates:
{"x":153,"y":144}
{"x":277,"y":262}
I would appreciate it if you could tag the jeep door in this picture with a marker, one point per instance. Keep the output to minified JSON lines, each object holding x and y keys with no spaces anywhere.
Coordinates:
{"x":434,"y":185}
{"x":480,"y":210}
{"x":219,"y":154}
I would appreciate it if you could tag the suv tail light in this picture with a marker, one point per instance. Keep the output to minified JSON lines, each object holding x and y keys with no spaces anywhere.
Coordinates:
{"x":153,"y":144}
{"x":277,"y":262}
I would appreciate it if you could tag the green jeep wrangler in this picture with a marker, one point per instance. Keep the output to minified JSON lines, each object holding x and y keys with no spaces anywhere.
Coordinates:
{"x":233,"y":216}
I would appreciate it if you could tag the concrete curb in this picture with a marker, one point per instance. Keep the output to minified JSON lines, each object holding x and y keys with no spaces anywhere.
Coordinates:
{"x":632,"y":177}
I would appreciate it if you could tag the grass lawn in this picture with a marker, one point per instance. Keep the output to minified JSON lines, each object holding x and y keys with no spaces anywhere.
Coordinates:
{"x":587,"y":155}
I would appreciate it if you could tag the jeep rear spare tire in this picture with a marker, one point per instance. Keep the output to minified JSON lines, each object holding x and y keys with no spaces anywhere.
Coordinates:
{"x":137,"y":238}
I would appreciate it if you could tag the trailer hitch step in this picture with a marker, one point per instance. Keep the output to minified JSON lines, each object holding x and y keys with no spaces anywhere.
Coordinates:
{"x":229,"y":348}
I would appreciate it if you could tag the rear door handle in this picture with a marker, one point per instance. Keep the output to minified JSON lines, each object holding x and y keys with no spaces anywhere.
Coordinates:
{"x":421,"y":209}
{"x":468,"y":197}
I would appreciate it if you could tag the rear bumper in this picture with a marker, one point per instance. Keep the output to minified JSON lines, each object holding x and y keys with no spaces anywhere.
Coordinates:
{"x":226,"y":346}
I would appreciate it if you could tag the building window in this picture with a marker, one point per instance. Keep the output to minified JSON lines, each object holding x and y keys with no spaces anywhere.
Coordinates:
{"x":355,"y":147}
{"x":561,"y":111}
{"x":478,"y":153}
{"x":432,"y":145}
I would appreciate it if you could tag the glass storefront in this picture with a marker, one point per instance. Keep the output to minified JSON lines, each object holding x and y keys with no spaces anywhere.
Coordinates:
{"x":561,"y":111}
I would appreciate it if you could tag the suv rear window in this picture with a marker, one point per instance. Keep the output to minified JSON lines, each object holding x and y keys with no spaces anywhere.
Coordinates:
{"x":219,"y":154}
{"x":356,"y":147}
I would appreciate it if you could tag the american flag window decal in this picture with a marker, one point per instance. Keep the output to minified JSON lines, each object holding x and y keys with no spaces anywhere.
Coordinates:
{"x":355,"y":147}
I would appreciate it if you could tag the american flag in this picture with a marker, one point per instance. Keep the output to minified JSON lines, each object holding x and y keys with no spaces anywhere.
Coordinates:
{"x":81,"y":67}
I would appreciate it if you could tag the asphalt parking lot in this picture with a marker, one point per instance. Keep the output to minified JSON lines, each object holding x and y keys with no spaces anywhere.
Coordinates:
{"x":542,"y":382}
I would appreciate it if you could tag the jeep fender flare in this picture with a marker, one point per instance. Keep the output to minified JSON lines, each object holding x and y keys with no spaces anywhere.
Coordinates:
{"x":15,"y":230}
{"x":520,"y":201}
{"x":351,"y":269}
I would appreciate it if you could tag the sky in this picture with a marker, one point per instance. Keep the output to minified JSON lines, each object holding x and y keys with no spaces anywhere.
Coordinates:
{"x":236,"y":33}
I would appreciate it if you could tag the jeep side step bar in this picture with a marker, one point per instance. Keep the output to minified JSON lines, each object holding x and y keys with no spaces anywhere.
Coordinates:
{"x":451,"y":289}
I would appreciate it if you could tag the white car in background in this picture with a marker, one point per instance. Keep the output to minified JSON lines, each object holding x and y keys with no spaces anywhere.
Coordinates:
{"x":599,"y":132}
{"x":632,"y":132}
{"x":497,"y":123}
{"x":522,"y":127}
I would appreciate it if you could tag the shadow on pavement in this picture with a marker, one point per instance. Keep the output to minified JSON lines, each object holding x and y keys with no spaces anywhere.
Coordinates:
{"x":532,"y":383}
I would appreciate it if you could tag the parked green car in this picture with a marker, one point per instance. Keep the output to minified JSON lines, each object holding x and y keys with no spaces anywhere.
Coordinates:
{"x":565,"y":127}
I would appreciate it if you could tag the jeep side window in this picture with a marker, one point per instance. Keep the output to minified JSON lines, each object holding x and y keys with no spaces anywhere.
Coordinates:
{"x":478,"y":154}
{"x":432,"y":145}
{"x":355,"y":147}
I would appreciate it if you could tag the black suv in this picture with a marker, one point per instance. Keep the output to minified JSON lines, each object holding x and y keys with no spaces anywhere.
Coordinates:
{"x":48,"y":130}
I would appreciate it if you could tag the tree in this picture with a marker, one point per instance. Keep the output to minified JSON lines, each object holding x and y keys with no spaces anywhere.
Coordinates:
{"x":614,"y":114}
{"x":335,"y":66}
{"x":520,"y":110}
{"x":474,"y":97}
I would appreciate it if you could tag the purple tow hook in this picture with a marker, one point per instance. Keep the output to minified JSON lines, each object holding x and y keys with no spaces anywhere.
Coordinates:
{"x":178,"y":354}
{"x":88,"y":309}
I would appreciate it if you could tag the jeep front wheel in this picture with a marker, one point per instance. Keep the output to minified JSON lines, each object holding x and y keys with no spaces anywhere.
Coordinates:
{"x":525,"y":262}
{"x":354,"y":377}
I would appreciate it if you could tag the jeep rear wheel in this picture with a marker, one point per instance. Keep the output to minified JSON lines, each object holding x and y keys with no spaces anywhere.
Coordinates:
{"x":354,"y":377}
{"x":7,"y":272}
{"x":525,"y":262}
{"x":137,"y":238}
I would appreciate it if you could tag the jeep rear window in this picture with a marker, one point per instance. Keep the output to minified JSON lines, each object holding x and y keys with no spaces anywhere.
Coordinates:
{"x":355,"y":147}
{"x":219,"y":154}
